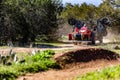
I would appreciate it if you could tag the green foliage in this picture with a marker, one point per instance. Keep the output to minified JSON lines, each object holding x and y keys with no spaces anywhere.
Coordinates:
{"x":41,"y":61}
{"x":31,"y":67}
{"x":105,"y":9}
{"x":24,"y":20}
{"x":111,"y":73}
{"x":43,"y":55}
{"x":80,"y":12}
{"x":8,"y":73}
{"x":83,"y":11}
{"x":91,"y":13}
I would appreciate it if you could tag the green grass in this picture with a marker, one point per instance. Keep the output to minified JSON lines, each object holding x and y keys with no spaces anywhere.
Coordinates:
{"x":111,"y":73}
{"x":8,"y":73}
{"x":41,"y":61}
{"x":109,"y":46}
{"x":21,"y":55}
{"x":51,"y":43}
{"x":4,"y":47}
{"x":116,"y":51}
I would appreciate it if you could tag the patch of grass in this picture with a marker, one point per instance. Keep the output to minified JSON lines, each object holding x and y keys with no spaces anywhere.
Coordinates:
{"x":51,"y":43}
{"x":109,"y":46}
{"x":8,"y":73}
{"x":41,"y":61}
{"x":4,"y":47}
{"x":111,"y":73}
{"x":22,"y":55}
{"x":116,"y":51}
{"x":63,"y":50}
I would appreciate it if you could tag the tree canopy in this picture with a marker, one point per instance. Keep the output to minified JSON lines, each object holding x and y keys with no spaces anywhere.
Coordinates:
{"x":24,"y":20}
{"x":88,"y":12}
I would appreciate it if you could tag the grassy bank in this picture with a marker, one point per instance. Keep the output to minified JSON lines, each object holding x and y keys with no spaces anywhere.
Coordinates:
{"x":111,"y":73}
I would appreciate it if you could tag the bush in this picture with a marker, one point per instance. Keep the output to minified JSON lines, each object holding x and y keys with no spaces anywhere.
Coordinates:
{"x":43,"y":55}
{"x":41,"y":61}
{"x":8,"y":73}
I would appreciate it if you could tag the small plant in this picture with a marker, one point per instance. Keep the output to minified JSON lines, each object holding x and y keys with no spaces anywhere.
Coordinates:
{"x":47,"y":54}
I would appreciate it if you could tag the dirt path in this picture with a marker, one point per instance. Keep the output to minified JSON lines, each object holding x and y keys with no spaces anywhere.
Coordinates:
{"x":69,"y":46}
{"x":71,"y":73}
{"x":58,"y":48}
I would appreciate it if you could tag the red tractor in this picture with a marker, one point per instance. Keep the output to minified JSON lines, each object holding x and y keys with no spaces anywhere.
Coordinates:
{"x":81,"y":33}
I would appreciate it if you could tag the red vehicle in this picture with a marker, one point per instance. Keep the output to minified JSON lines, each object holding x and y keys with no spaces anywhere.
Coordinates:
{"x":82,"y":35}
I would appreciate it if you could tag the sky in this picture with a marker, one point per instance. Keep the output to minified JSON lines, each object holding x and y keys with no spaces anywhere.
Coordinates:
{"x":95,"y":2}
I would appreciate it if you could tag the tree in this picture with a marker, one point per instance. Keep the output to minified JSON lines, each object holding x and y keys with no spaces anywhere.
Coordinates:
{"x":79,"y":12}
{"x":27,"y":19}
{"x":109,"y":8}
{"x":2,"y":26}
{"x":105,"y":9}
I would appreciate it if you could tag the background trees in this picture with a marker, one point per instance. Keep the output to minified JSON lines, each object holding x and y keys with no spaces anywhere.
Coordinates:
{"x":24,"y":20}
{"x":30,"y":20}
{"x":90,"y":12}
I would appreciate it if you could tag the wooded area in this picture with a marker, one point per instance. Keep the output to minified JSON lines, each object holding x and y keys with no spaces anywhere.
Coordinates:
{"x":30,"y":20}
{"x":89,"y":12}
{"x":25,"y":20}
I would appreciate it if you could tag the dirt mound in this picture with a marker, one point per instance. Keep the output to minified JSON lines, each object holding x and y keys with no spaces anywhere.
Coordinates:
{"x":76,"y":63}
{"x":85,"y":55}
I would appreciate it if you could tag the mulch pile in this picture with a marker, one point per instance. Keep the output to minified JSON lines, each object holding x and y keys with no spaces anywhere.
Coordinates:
{"x":85,"y":55}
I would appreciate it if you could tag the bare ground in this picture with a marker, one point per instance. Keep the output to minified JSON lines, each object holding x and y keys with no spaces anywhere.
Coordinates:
{"x":73,"y":70}
{"x":71,"y":73}
{"x":78,"y":66}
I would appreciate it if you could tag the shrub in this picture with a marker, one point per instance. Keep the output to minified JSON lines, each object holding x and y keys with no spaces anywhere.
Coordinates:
{"x":43,"y":55}
{"x":8,"y":73}
{"x":41,"y":61}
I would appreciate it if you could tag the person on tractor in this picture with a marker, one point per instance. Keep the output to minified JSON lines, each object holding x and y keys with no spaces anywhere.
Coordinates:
{"x":78,"y":25}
